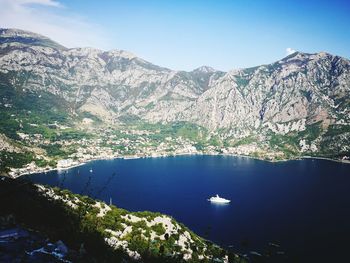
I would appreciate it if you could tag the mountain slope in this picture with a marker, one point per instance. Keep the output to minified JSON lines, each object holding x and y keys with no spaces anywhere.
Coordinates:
{"x":104,"y":232}
{"x":299,"y":104}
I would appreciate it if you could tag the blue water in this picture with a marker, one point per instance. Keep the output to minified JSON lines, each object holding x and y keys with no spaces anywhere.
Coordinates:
{"x":302,"y":205}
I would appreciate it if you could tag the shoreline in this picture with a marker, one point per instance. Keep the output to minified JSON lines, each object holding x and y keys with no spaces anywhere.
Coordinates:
{"x":133,"y":157}
{"x":69,"y":167}
{"x":326,"y":159}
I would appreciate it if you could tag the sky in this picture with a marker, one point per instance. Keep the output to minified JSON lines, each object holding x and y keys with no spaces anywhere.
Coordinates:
{"x":186,"y":34}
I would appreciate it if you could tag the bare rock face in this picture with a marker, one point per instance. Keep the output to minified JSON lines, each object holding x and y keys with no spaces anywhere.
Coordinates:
{"x":281,"y":97}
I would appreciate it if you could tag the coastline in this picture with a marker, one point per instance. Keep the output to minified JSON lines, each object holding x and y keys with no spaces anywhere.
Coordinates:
{"x":325,"y":158}
{"x":132,"y":157}
{"x":46,"y":170}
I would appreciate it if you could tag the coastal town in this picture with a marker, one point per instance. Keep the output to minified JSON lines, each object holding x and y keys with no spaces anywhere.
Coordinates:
{"x":66,"y":153}
{"x":127,"y":144}
{"x":71,"y":147}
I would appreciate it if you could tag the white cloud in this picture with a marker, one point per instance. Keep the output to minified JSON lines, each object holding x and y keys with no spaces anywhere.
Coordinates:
{"x":290,"y":51}
{"x":50,"y":18}
{"x":40,"y":2}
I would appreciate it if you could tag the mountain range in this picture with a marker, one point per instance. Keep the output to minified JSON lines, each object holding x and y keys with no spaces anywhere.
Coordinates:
{"x":296,"y":106}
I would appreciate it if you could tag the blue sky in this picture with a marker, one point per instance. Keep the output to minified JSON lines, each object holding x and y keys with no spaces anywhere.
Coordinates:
{"x":187,"y":34}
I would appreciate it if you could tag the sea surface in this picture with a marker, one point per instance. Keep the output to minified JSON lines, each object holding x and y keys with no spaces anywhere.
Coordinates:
{"x":303,"y":206}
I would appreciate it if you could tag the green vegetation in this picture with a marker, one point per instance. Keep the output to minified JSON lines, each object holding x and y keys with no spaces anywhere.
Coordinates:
{"x":15,"y":160}
{"x":159,"y":229}
{"x":26,"y":111}
{"x":129,"y":119}
{"x":37,"y":114}
{"x":243,"y":141}
{"x":334,"y":130}
{"x":54,"y":150}
{"x":82,"y":225}
{"x":44,"y":163}
{"x":334,"y":140}
{"x":311,"y":132}
{"x":289,"y":143}
{"x":185,"y":130}
{"x":139,"y":237}
{"x":73,"y":134}
{"x":8,"y":125}
{"x":56,"y":220}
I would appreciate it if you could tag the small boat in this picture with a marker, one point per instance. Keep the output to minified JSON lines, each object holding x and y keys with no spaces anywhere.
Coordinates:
{"x":218,"y":199}
{"x":91,"y":170}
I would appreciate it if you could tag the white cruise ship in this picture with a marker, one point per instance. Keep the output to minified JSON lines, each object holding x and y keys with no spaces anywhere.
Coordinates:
{"x":218,"y":199}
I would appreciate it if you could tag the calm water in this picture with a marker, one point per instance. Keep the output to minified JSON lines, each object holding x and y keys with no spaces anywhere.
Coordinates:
{"x":302,"y":205}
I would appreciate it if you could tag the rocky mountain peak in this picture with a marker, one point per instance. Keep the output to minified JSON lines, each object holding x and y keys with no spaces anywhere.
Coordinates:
{"x":301,"y":56}
{"x":13,"y":32}
{"x":204,"y":69}
{"x":10,"y":36}
{"x":122,"y":53}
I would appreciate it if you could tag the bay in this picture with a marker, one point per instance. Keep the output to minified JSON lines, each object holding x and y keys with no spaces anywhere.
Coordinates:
{"x":302,"y":205}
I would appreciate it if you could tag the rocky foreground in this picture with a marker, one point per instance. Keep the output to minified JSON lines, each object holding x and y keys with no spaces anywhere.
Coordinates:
{"x":94,"y":230}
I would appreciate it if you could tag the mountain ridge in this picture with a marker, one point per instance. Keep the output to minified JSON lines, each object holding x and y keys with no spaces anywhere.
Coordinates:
{"x":26,"y":33}
{"x":273,"y":109}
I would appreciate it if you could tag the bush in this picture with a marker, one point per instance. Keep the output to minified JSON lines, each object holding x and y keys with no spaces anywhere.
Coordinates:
{"x":159,"y":229}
